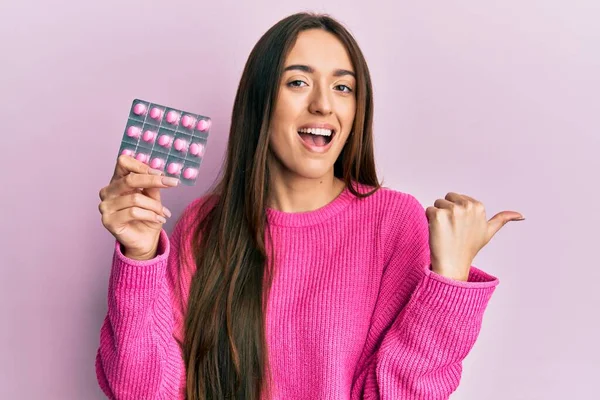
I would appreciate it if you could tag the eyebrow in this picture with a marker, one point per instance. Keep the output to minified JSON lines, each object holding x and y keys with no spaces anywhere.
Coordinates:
{"x":311,"y":70}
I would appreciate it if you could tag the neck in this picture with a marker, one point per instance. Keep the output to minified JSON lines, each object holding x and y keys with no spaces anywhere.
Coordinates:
{"x":292,"y":193}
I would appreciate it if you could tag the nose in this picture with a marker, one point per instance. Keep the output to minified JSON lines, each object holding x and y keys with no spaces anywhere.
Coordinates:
{"x":320,"y":102}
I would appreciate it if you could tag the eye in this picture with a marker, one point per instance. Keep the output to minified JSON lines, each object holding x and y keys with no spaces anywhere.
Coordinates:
{"x":296,"y":83}
{"x":345,"y":89}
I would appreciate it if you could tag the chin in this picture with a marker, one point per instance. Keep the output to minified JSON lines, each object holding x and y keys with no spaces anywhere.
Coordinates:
{"x":313,"y":171}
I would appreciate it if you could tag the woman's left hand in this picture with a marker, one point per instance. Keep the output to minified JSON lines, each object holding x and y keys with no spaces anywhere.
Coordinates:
{"x":458,"y":229}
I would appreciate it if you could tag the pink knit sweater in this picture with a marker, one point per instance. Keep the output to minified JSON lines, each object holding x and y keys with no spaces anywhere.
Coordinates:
{"x":354,"y":313}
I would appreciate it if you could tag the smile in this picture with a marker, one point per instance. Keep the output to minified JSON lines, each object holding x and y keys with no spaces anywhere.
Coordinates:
{"x":317,"y":139}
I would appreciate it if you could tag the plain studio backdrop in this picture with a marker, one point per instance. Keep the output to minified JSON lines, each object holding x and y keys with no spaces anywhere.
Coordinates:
{"x":495,"y":99}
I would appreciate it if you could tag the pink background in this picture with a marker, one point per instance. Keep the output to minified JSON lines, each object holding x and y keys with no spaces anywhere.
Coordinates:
{"x":496,"y":99}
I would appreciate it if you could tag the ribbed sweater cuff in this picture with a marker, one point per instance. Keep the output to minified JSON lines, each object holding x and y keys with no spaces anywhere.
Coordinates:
{"x":141,"y":273}
{"x":468,"y":299}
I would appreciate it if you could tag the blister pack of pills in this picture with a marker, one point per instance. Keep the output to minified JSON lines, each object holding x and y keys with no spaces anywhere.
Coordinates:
{"x":167,"y":139}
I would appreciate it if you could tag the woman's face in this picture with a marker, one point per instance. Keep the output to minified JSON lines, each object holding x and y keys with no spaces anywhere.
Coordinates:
{"x":315,"y":106}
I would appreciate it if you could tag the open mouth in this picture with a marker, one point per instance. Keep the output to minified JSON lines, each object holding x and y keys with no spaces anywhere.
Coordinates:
{"x":316,"y":136}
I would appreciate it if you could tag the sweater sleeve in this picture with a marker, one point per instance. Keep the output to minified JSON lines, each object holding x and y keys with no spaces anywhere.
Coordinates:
{"x":139,"y":356}
{"x":423,"y":325}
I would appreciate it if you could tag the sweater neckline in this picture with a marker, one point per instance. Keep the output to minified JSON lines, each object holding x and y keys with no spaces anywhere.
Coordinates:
{"x":313,"y":217}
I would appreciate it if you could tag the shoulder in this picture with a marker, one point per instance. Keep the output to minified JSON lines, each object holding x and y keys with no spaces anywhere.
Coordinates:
{"x":392,"y":205}
{"x":400,"y":219}
{"x":201,"y":205}
{"x":193,"y":214}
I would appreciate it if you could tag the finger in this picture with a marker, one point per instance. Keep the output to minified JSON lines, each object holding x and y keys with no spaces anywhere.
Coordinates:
{"x":153,"y":193}
{"x":133,"y":181}
{"x":127,"y":215}
{"x":499,"y":220}
{"x":127,"y":164}
{"x":430,"y":213}
{"x":469,"y":198}
{"x":444,"y":204}
{"x":456,"y":198}
{"x":136,"y":200}
{"x":471,"y":202}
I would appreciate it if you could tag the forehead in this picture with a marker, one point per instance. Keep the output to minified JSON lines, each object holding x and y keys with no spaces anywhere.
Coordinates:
{"x":321,"y":50}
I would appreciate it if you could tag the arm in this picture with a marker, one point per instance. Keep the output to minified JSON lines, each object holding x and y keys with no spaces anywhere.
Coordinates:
{"x":424,"y":324}
{"x":139,"y":356}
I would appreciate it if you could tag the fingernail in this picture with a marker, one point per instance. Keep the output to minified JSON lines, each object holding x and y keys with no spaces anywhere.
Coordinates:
{"x":519,"y":219}
{"x":153,"y":171}
{"x":167,"y":212}
{"x":161,"y":219}
{"x":169,"y":181}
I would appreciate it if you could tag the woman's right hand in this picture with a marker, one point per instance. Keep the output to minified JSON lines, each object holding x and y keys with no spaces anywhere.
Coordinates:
{"x":131,"y":208}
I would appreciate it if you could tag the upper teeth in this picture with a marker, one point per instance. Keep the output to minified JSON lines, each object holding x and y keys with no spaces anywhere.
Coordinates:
{"x":317,"y":131}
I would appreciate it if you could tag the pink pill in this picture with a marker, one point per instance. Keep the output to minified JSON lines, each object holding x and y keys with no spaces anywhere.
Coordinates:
{"x":156,"y":113}
{"x":203,"y":125}
{"x":157,"y":163}
{"x":127,"y":152}
{"x":139,"y":109}
{"x":180,"y":144}
{"x":134,"y":132}
{"x":142,"y":157}
{"x":165,"y":140}
{"x":149,"y":136}
{"x":174,"y":168}
{"x":188,"y":121}
{"x":190,"y":173}
{"x":197,"y":149}
{"x":172,"y":117}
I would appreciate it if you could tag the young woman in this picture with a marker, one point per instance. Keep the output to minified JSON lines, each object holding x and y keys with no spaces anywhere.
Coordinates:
{"x":299,"y":276}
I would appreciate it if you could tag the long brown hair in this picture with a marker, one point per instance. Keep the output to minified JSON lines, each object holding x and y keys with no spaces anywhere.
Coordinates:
{"x":225,"y":348}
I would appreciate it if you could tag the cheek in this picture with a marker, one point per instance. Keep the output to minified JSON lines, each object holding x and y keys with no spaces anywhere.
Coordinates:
{"x":279,"y":139}
{"x":286,"y":109}
{"x":347,"y":114}
{"x":279,"y":127}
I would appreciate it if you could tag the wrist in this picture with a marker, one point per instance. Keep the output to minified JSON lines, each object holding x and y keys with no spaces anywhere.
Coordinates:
{"x":451,"y":273}
{"x":140,"y":256}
